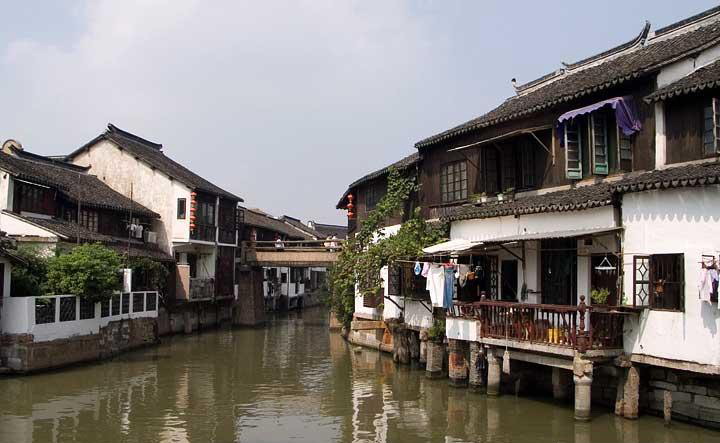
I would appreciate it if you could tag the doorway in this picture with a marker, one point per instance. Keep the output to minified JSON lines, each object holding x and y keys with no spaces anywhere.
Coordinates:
{"x":558,"y":265}
{"x":605,"y":278}
{"x":509,"y":280}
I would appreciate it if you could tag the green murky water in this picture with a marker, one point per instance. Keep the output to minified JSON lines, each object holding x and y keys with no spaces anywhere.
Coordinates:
{"x":290,"y":381}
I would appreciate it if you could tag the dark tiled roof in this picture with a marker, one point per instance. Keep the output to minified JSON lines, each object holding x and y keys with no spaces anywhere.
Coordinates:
{"x":404,"y":163}
{"x":152,"y":154}
{"x":71,"y":181}
{"x":674,"y":177}
{"x":329,"y":230}
{"x":66,"y":229}
{"x":582,"y":197}
{"x":578,"y":81}
{"x":71,"y":231}
{"x":595,"y":195}
{"x":302,"y":226}
{"x":262,"y":220}
{"x":706,"y":77}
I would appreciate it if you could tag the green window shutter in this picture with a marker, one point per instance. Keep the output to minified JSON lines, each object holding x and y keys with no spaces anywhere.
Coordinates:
{"x":598,"y":130}
{"x":573,"y":150}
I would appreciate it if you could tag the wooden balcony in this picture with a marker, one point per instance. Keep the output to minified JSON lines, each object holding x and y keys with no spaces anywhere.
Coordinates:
{"x":582,"y":328}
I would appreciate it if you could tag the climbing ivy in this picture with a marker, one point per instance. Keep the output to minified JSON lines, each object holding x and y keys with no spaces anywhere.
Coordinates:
{"x":367,"y":251}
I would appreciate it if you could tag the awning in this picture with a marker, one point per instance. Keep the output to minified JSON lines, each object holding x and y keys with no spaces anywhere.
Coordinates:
{"x":551,"y":235}
{"x":624,"y":114}
{"x":507,"y":135}
{"x":450,"y":247}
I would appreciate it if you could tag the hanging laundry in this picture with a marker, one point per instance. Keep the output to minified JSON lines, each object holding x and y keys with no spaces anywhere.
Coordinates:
{"x":449,"y":287}
{"x":436,"y":284}
{"x":425,"y":269}
{"x":462,"y":274}
{"x":418,"y":268}
{"x":705,"y":285}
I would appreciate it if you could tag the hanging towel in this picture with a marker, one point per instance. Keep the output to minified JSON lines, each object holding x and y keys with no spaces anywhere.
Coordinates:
{"x":418,"y":268}
{"x":425,"y":269}
{"x":705,"y":286}
{"x":435,"y":285}
{"x":449,"y":287}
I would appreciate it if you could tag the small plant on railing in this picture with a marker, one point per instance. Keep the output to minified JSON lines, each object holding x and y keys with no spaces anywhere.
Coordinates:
{"x":436,"y":332}
{"x":599,"y":296}
{"x":90,"y":271}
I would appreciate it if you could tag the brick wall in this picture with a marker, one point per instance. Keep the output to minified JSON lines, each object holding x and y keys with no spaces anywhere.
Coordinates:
{"x":696,"y":398}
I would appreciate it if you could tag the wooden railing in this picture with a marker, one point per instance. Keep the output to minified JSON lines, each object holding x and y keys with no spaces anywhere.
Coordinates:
{"x":296,"y":245}
{"x":578,"y":327}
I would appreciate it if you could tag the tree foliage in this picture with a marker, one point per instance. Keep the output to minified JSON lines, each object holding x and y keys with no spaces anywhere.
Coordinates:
{"x":148,"y":274}
{"x":91,"y":271}
{"x":365,"y":253}
{"x":28,"y":280}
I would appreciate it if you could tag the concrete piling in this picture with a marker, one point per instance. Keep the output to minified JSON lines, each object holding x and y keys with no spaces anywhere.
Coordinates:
{"x":475,"y":367}
{"x":582,"y":376}
{"x":494,"y":373}
{"x":435,"y":358}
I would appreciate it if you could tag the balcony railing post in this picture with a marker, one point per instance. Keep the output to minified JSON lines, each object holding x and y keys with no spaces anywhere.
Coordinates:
{"x":582,"y":337}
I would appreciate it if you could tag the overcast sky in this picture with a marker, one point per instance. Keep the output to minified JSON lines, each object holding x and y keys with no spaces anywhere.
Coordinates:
{"x":286,"y":102}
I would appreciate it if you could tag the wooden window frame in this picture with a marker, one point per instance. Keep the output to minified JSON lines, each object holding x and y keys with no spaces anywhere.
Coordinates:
{"x":573,"y":173}
{"x":652,"y":266}
{"x":598,"y":119}
{"x":621,"y":157}
{"x":89,"y":219}
{"x":452,"y":170}
{"x":714,"y":108}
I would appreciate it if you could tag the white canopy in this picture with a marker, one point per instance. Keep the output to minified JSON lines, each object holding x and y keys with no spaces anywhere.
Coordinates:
{"x":450,"y":247}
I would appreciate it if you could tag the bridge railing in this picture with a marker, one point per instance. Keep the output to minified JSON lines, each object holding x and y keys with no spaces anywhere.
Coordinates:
{"x":334,"y":245}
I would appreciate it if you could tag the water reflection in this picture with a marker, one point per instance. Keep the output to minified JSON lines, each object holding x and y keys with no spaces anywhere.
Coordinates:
{"x":290,"y":380}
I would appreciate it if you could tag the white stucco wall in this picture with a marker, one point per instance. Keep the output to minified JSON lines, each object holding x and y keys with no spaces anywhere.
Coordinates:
{"x":151,"y":188}
{"x":482,"y":229}
{"x":6,"y":188}
{"x":18,"y":317}
{"x":687,"y":66}
{"x":674,"y":221}
{"x":15,"y":226}
{"x":461,"y":329}
{"x":416,"y":315}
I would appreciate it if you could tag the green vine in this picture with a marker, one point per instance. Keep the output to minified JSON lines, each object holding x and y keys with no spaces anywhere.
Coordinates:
{"x":366,"y":252}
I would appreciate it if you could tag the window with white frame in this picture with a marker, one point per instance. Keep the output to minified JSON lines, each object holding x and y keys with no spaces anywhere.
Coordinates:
{"x":711,"y":127}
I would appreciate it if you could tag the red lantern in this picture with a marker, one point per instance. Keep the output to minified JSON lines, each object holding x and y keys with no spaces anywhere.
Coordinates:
{"x":350,"y":206}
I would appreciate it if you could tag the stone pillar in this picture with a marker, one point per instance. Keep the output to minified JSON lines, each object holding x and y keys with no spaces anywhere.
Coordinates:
{"x":560,"y":383}
{"x":494,"y":373}
{"x":667,"y":406}
{"x":187,"y":322}
{"x":414,"y":344}
{"x":423,"y":347}
{"x":628,"y":391}
{"x":477,"y":363}
{"x":582,"y":376}
{"x":401,"y":347}
{"x":457,"y":364}
{"x":435,"y":358}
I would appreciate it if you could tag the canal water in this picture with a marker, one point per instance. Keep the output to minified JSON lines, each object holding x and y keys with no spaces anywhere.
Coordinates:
{"x":290,"y":381}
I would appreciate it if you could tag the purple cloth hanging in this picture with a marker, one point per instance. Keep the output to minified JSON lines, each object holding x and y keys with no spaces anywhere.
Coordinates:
{"x":625,"y":115}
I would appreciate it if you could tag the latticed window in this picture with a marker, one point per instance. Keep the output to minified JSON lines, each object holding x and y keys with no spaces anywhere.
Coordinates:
{"x":659,"y":281}
{"x":125,"y":303}
{"x":89,"y":219}
{"x":150,"y":302}
{"x":105,"y":308}
{"x":87,"y":309}
{"x":44,"y":310}
{"x":598,"y":126}
{"x":394,"y":280}
{"x":453,"y":181}
{"x":711,"y":128}
{"x":573,"y":149}
{"x":138,"y":302}
{"x":68,"y":308}
{"x":115,"y":305}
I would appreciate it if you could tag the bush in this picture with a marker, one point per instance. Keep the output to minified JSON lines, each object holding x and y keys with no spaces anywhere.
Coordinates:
{"x":28,"y":280}
{"x":91,"y":271}
{"x":148,"y":275}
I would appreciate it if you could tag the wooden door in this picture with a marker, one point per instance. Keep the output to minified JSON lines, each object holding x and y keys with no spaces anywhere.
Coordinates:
{"x":509,"y":280}
{"x":558,"y":261}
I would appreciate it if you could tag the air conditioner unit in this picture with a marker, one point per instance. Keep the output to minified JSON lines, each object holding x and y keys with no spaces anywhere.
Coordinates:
{"x":150,"y":236}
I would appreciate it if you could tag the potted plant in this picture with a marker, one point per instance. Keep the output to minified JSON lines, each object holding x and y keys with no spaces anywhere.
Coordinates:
{"x":599,"y":296}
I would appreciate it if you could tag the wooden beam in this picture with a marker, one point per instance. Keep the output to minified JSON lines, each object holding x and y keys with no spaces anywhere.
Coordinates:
{"x":360,"y":325}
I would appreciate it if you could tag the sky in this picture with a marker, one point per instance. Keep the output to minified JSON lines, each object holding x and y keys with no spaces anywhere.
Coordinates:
{"x":285,"y":103}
